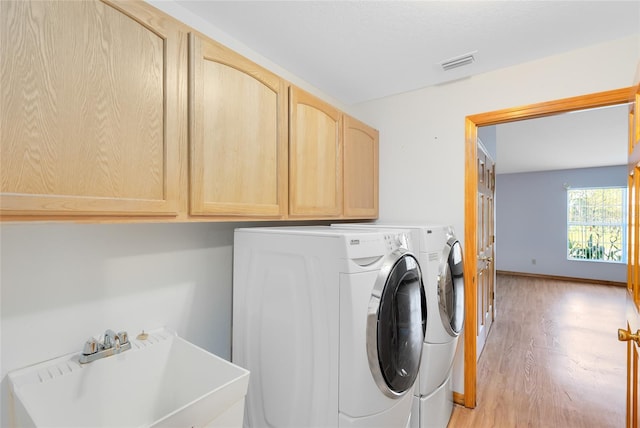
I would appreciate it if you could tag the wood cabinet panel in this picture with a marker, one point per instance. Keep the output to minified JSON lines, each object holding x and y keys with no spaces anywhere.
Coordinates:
{"x":238,"y":134}
{"x":88,"y":109}
{"x":315,"y":157}
{"x":109,"y":111}
{"x":360,"y":169}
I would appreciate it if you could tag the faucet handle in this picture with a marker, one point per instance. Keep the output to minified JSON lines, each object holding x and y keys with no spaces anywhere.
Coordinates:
{"x":124,"y":337}
{"x":90,"y":346}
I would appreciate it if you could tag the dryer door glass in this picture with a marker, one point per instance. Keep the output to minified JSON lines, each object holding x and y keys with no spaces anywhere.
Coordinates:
{"x":451,"y":288}
{"x":401,"y":325}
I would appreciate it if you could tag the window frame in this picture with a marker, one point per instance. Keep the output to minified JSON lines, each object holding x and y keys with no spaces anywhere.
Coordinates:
{"x":623,"y":224}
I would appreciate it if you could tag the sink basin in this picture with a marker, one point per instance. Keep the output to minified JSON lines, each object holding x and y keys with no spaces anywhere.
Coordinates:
{"x":163,"y":381}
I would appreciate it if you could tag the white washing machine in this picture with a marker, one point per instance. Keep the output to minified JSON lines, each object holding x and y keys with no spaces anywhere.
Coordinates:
{"x":440,"y":257}
{"x":330,"y":322}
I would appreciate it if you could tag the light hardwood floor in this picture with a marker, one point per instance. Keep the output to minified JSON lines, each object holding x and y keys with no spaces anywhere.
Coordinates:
{"x":552,"y":358}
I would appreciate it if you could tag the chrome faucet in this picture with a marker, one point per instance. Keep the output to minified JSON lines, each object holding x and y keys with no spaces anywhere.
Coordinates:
{"x":111,"y":344}
{"x":111,"y":340}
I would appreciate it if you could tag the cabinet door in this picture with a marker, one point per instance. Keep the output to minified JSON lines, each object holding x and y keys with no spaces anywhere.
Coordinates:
{"x":360,"y":169}
{"x":238,"y":134}
{"x":315,"y":157}
{"x":88,"y":109}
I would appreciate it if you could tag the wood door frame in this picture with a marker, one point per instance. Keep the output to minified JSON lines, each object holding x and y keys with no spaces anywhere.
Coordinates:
{"x":531,"y":111}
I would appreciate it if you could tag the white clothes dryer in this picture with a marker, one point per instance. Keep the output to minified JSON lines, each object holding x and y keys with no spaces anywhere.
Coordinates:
{"x":330,"y":323}
{"x":440,"y":257}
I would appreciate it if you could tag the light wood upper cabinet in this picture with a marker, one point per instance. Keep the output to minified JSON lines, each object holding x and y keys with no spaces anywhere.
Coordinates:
{"x":315,"y":157}
{"x":111,"y":110}
{"x":360,"y":169}
{"x":88,"y":109}
{"x":238,"y":138}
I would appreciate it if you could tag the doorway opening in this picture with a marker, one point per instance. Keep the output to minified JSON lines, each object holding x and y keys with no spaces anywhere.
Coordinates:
{"x":596,"y":100}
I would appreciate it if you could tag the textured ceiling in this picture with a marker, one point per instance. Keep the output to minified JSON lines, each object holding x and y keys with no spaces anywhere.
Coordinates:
{"x":361,"y":50}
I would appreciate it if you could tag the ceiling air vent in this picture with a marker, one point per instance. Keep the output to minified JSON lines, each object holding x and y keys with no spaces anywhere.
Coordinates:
{"x":458,"y":61}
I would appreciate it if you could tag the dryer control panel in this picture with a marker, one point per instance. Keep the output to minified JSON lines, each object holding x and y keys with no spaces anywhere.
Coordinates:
{"x":397,"y":239}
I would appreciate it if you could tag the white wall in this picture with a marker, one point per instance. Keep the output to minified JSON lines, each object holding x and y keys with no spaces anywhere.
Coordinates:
{"x":422,"y":132}
{"x":531,"y":222}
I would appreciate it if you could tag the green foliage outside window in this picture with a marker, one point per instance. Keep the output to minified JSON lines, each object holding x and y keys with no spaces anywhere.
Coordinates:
{"x":596,"y":224}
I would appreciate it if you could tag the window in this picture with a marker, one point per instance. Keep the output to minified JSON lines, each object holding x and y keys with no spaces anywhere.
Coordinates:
{"x":596,"y":224}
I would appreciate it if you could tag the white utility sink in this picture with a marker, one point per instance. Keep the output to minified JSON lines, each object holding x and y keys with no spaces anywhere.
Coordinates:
{"x":163,"y":381}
